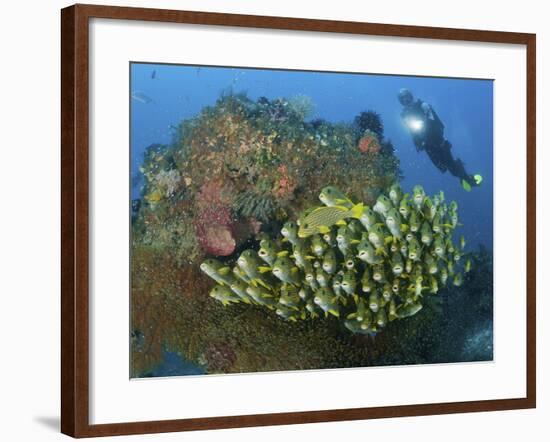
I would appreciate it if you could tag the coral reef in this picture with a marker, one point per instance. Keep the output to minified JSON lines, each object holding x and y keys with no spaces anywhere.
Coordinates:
{"x":366,"y":266}
{"x":233,"y":174}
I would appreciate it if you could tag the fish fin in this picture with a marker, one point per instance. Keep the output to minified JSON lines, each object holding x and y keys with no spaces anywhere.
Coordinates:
{"x":263,"y":284}
{"x":324,"y":229}
{"x":380,"y":251}
{"x":284,"y":239}
{"x":478,"y":178}
{"x":355,"y":241}
{"x":405,"y":228}
{"x":309,"y":257}
{"x":341,"y":223}
{"x":264,"y":269}
{"x":294,"y":270}
{"x":357,"y":210}
{"x":334,"y":312}
{"x":283,"y":253}
{"x":224,"y":271}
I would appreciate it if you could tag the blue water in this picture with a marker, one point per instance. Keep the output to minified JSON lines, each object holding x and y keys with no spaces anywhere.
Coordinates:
{"x":464,"y":105}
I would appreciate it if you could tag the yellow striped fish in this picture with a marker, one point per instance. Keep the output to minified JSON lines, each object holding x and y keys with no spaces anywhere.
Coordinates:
{"x":322,"y":219}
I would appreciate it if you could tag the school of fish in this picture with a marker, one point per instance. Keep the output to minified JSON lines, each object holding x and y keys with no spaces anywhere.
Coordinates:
{"x":365,"y":265}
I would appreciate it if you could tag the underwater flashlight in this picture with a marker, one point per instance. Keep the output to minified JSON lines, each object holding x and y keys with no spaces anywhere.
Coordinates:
{"x":415,"y":124}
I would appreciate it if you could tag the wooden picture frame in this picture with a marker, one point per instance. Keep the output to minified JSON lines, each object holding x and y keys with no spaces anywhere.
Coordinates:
{"x":75,"y":379}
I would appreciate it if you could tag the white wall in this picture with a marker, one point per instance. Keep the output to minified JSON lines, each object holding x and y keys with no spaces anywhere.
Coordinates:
{"x":29,"y":220}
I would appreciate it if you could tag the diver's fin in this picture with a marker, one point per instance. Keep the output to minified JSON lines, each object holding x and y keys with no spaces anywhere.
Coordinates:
{"x":466,"y":186}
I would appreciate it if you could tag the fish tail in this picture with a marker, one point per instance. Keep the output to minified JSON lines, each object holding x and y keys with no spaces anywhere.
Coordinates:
{"x":357,"y":210}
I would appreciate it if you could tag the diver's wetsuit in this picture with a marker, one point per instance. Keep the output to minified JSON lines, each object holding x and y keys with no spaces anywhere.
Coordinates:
{"x":430,"y":138}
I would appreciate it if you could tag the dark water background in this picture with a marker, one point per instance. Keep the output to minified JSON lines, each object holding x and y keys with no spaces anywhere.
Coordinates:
{"x":464,"y":105}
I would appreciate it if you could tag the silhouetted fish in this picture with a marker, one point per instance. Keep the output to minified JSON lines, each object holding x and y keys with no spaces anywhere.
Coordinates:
{"x":141,"y":97}
{"x":153,"y":75}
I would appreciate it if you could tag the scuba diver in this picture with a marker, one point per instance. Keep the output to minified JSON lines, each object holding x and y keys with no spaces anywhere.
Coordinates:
{"x":426,"y":130}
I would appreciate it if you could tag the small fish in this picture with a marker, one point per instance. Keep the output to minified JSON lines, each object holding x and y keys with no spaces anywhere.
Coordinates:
{"x":239,"y":288}
{"x":404,"y":249}
{"x":268,"y":251}
{"x":368,"y":218}
{"x":322,"y":219}
{"x":430,"y":209}
{"x":414,"y":250}
{"x":392,"y":311}
{"x":330,"y":196}
{"x":443,"y":275}
{"x":325,"y":299}
{"x":374,"y":302}
{"x":434,"y":287}
{"x":387,"y":292}
{"x":285,"y":270}
{"x":337,"y":285}
{"x":224,"y":295}
{"x":468,"y":266}
{"x":395,"y":194}
{"x":410,"y":309}
{"x":153,"y":74}
{"x":349,"y":262}
{"x":310,"y":277}
{"x":290,"y":296}
{"x":383,"y":205}
{"x":414,"y":222}
{"x":286,"y":313}
{"x":366,"y":253}
{"x":393,"y":222}
{"x":305,"y":293}
{"x":290,"y":232}
{"x":300,"y":255}
{"x":404,"y":207}
{"x":218,"y":271}
{"x":377,"y":237}
{"x":141,"y":97}
{"x":349,"y":283}
{"x":439,"y":247}
{"x":329,"y":262}
{"x":462,"y":242}
{"x":418,"y":196}
{"x":458,"y":280}
{"x":426,"y":233}
{"x":322,"y":278}
{"x":250,"y":264}
{"x":366,"y":281}
{"x":318,"y":245}
{"x":431,"y":264}
{"x":381,"y":318}
{"x":378,"y":273}
{"x":261,"y":296}
{"x":397,"y":264}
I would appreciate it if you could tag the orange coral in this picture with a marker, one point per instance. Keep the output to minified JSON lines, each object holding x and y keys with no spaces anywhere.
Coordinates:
{"x":369,"y":143}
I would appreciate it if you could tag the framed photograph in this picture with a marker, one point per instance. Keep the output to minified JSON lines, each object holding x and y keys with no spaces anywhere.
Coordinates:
{"x":273,"y":220}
